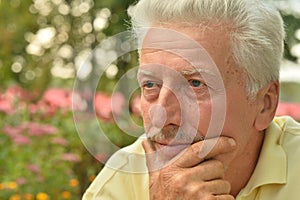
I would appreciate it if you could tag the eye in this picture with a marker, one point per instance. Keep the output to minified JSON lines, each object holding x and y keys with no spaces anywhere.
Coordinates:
{"x":195,"y":83}
{"x":149,"y":84}
{"x":150,"y":90}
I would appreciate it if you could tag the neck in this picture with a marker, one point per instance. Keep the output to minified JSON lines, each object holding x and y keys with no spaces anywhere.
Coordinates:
{"x":241,"y":169}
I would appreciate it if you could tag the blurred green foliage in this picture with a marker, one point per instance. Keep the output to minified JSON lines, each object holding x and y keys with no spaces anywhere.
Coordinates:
{"x":42,"y":42}
{"x":74,"y":28}
{"x":75,"y":31}
{"x":292,"y":24}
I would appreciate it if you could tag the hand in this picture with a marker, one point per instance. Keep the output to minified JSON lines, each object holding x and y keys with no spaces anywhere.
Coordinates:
{"x":194,"y":174}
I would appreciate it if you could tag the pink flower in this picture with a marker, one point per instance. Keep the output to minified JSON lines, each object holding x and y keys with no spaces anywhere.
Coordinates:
{"x":102,"y":106}
{"x":105,"y":105}
{"x":40,"y":129}
{"x":79,"y":103}
{"x":291,"y":109}
{"x":17,"y":92}
{"x":15,"y":98}
{"x":21,"y":140}
{"x":13,"y":131}
{"x":136,"y":105}
{"x":102,"y":157}
{"x":71,"y":157}
{"x":33,"y":168}
{"x":6,"y":106}
{"x":58,"y":98}
{"x":19,"y":134}
{"x":21,"y":181}
{"x":59,"y":141}
{"x":117,"y":103}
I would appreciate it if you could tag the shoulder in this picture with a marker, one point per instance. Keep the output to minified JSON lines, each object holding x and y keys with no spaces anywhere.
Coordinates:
{"x":290,"y":134}
{"x":287,"y":125}
{"x":286,"y":133}
{"x":125,"y":165}
{"x":130,"y":159}
{"x":289,"y":131}
{"x":290,"y":142}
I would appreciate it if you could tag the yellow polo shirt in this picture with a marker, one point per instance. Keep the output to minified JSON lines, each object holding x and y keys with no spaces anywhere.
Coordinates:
{"x":276,"y":176}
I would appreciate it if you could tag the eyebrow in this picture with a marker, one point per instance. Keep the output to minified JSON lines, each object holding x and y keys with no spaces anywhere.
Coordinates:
{"x":183,"y":72}
{"x":144,"y":72}
{"x":197,"y":71}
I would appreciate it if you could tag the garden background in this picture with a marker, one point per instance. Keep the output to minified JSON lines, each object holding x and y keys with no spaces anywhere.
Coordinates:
{"x":43,"y":43}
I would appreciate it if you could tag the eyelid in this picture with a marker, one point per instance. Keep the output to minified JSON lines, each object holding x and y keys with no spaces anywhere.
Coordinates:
{"x":150,"y":92}
{"x":200,"y":82}
{"x":189,"y":79}
{"x":142,"y":80}
{"x":147,"y":82}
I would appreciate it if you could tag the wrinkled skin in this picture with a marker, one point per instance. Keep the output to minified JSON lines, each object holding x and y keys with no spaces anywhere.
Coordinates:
{"x":191,"y":176}
{"x":176,"y":120}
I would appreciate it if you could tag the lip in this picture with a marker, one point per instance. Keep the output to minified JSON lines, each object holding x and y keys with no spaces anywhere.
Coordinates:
{"x":174,"y":142}
{"x":171,"y":144}
{"x":170,"y":150}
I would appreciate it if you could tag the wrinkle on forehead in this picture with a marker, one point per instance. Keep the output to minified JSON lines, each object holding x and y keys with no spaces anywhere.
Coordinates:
{"x":179,"y":35}
{"x":187,"y":62}
{"x":198,"y":47}
{"x":193,"y":44}
{"x":167,"y":39}
{"x":183,"y":72}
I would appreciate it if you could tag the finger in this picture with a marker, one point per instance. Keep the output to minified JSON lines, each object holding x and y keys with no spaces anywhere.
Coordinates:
{"x":206,"y":171}
{"x":203,"y":150}
{"x":218,"y":187}
{"x":151,"y":155}
{"x":224,"y":197}
{"x":215,"y":187}
{"x":148,"y":146}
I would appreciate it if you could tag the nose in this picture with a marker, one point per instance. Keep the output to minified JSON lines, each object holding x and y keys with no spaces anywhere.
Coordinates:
{"x":158,"y":116}
{"x":167,"y":110}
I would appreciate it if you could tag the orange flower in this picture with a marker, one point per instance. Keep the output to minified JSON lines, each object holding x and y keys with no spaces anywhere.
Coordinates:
{"x":28,"y":196}
{"x":92,"y":178}
{"x":12,"y":185}
{"x":2,"y":186}
{"x":42,"y":196}
{"x":73,"y":182}
{"x":66,"y":195}
{"x":15,"y":197}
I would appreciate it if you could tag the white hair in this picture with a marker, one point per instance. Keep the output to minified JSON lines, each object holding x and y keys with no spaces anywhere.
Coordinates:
{"x":256,"y":30}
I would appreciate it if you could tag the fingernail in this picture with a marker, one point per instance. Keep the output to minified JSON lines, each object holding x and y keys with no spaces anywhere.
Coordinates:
{"x":232,"y":142}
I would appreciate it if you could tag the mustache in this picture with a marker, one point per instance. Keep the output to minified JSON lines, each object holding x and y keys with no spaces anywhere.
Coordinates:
{"x":174,"y":135}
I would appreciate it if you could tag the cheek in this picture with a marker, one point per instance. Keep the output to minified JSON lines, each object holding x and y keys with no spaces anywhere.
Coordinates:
{"x":204,"y":118}
{"x":239,"y":120}
{"x":145,"y":107}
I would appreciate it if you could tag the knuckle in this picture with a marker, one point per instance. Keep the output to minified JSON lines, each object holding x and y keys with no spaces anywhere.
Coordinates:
{"x":178,"y":181}
{"x":165,"y":176}
{"x":192,"y":189}
{"x":232,"y":198}
{"x":227,"y":186}
{"x":218,"y":165}
{"x":195,"y":150}
{"x":209,"y":197}
{"x":203,"y":187}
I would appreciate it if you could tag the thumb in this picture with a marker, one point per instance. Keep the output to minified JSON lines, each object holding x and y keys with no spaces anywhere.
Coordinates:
{"x":154,"y":158}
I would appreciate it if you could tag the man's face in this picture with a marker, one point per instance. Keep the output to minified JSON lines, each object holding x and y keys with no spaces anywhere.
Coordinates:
{"x":190,"y":91}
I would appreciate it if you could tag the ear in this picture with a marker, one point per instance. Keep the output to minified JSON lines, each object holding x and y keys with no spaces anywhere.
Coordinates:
{"x":267,"y":100}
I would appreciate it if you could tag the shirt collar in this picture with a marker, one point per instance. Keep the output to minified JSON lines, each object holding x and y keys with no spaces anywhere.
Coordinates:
{"x":271,"y":167}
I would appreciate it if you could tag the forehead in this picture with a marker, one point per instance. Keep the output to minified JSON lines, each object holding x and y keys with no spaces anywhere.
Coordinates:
{"x":181,"y":46}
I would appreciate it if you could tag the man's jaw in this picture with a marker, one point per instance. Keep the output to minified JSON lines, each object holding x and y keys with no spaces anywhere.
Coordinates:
{"x":173,"y":136}
{"x":170,"y":141}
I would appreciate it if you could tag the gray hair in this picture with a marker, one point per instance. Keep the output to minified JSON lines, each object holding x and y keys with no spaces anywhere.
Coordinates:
{"x":256,"y":30}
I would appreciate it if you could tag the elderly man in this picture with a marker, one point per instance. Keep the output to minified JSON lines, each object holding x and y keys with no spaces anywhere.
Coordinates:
{"x":209,"y":74}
